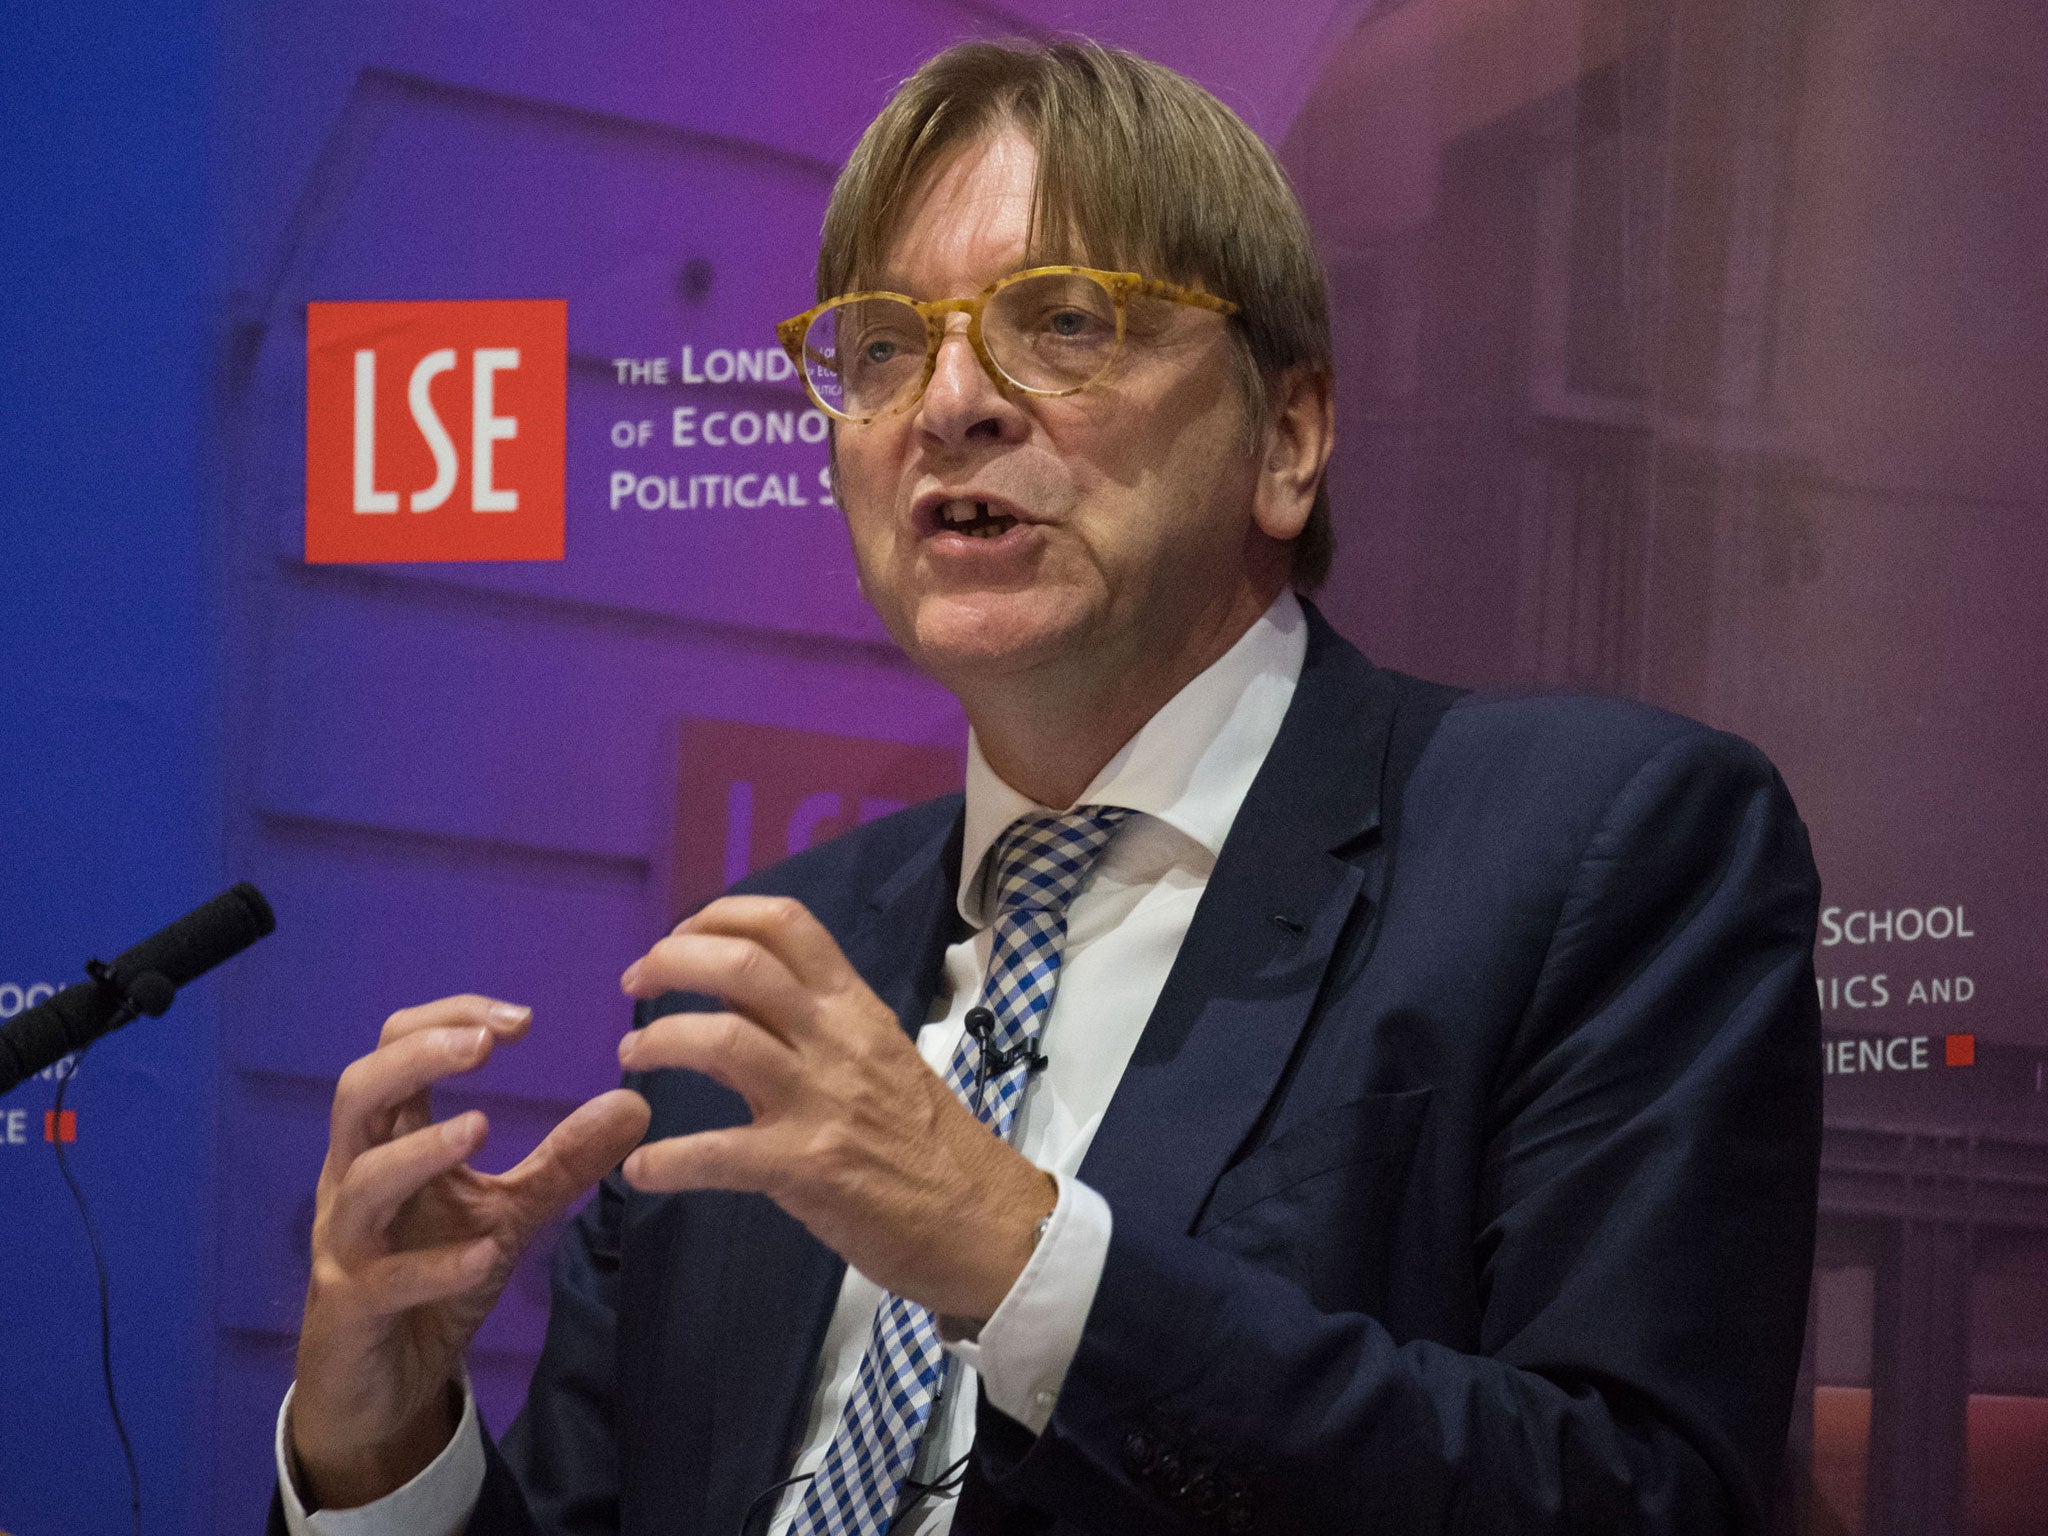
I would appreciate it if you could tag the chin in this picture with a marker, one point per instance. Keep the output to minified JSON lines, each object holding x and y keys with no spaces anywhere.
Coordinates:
{"x":991,"y":634}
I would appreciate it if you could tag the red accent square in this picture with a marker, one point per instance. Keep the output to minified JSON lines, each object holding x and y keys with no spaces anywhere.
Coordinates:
{"x":60,"y":1129}
{"x":748,"y":795}
{"x":1962,"y":1050}
{"x":403,"y":482}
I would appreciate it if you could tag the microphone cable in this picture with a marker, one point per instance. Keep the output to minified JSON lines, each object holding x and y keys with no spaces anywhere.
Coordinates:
{"x":945,"y":1486}
{"x":143,"y":979}
{"x":99,"y":1266}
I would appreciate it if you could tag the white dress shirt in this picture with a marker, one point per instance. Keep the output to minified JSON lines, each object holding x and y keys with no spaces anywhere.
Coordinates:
{"x":1186,"y":773}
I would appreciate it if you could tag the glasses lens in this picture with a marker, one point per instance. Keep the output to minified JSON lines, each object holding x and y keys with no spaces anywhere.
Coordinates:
{"x":1052,"y":332}
{"x":863,"y":356}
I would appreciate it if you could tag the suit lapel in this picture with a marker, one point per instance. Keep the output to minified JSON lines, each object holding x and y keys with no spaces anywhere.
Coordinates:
{"x":913,"y":917}
{"x":1242,"y":988}
{"x":776,"y":1283}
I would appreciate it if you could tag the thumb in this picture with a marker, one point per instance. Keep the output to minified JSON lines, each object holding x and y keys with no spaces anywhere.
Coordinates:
{"x":588,"y":1144}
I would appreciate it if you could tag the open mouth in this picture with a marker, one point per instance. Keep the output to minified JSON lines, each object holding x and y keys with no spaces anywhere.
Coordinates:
{"x":975,"y":519}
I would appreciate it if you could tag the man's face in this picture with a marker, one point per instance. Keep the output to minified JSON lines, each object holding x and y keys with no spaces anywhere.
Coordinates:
{"x":1132,"y":542}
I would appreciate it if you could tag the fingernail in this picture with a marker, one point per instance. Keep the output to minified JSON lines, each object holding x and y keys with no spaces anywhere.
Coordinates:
{"x":459,"y":1130}
{"x":631,"y":979}
{"x":629,"y":1047}
{"x":631,"y":1168}
{"x":474,"y":1042}
{"x":509,"y":1015}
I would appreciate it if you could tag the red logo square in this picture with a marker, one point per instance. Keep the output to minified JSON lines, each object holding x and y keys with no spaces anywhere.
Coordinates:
{"x":58,"y":1127}
{"x":436,"y":430}
{"x":1962,"y":1050}
{"x":748,"y":795}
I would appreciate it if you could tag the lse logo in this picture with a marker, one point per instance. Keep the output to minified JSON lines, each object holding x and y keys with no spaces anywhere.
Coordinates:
{"x":435,"y":430}
{"x":748,"y":795}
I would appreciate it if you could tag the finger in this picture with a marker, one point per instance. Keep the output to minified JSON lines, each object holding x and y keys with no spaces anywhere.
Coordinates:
{"x":373,"y":1087}
{"x":508,"y":1021}
{"x":784,"y":927}
{"x":577,"y":1153}
{"x":385,"y":1177}
{"x":400,"y":1281}
{"x":741,"y":1158}
{"x":744,"y":973}
{"x":730,"y":1049}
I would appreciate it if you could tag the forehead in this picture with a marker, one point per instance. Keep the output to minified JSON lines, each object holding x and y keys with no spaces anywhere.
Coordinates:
{"x":969,"y":221}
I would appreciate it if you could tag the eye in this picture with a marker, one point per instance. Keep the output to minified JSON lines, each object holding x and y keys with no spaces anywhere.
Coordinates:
{"x":1069,"y":322}
{"x":877,"y":351}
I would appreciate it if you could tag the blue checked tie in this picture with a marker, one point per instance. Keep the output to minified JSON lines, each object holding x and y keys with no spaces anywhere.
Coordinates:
{"x":1040,"y":863}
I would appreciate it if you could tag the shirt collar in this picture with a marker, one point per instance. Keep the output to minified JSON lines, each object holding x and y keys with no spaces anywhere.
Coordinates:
{"x":1189,"y":766}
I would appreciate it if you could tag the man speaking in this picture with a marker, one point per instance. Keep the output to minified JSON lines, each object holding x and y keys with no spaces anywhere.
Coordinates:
{"x":1280,"y":1095}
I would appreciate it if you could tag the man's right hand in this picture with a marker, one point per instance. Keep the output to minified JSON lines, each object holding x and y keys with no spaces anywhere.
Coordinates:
{"x":411,"y":1246}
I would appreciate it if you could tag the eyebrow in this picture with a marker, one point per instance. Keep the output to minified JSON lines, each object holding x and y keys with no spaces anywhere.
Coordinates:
{"x":892,"y":282}
{"x":895,"y":282}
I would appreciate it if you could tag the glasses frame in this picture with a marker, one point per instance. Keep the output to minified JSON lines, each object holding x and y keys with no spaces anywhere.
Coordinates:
{"x":1120,"y":285}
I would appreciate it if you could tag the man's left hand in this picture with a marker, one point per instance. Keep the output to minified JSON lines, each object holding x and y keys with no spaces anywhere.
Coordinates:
{"x":853,"y":1133}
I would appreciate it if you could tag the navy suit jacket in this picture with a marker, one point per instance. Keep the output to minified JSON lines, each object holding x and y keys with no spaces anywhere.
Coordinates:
{"x":1463,"y":1178}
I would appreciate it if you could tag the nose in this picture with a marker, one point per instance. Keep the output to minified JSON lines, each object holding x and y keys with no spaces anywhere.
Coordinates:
{"x":962,"y":403}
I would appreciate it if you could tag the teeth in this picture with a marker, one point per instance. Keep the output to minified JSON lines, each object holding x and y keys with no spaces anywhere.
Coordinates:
{"x":973,"y":518}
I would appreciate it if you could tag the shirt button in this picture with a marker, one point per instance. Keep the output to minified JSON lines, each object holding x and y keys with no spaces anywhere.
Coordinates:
{"x":1042,"y":1398}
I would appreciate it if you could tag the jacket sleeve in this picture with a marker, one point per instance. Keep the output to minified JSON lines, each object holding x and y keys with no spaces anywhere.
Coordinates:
{"x":557,"y":1470}
{"x":1643,"y":1244}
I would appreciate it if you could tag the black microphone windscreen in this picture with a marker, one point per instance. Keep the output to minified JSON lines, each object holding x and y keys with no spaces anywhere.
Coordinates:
{"x":42,"y":1034}
{"x":201,"y":939}
{"x":141,"y":980}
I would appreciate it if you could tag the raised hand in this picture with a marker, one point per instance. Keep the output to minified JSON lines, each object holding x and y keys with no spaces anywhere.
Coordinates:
{"x":852,"y":1134}
{"x":412,"y":1246}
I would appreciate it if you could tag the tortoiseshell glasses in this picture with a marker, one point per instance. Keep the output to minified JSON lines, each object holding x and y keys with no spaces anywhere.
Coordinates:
{"x":1044,"y":331}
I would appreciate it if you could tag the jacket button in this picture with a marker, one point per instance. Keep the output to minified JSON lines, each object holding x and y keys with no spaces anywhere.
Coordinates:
{"x":1166,"y":1473}
{"x":1202,"y":1494}
{"x":1139,"y":1453}
{"x":1238,"y":1513}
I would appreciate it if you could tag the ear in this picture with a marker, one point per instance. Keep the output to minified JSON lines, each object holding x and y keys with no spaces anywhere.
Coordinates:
{"x":1301,"y":428}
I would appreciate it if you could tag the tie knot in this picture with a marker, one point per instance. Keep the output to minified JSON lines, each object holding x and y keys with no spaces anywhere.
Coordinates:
{"x":1041,"y":860}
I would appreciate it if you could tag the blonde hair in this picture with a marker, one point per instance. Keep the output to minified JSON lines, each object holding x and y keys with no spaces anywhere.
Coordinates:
{"x":1138,"y":168}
